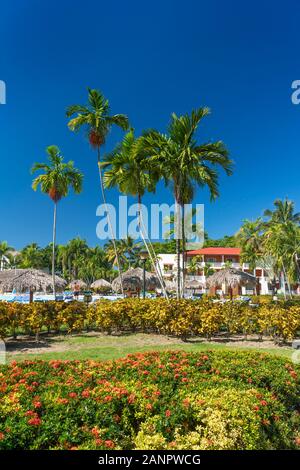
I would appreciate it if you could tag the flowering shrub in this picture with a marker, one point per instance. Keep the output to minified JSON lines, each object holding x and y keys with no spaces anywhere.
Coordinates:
{"x":181,"y":318}
{"x":169,"y":400}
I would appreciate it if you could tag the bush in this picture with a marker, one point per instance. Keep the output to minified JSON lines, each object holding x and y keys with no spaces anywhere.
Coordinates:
{"x":182,"y":318}
{"x":170,"y":400}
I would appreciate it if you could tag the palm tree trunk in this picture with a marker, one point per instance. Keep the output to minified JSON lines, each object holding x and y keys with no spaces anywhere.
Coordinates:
{"x":177,"y":237}
{"x":53,"y":250}
{"x":108,"y":219}
{"x":183,"y":249}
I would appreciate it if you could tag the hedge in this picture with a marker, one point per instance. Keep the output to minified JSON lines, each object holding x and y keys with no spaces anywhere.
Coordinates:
{"x":181,"y":318}
{"x":169,"y":400}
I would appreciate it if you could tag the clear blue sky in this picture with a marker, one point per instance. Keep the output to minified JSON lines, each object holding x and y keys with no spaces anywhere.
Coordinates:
{"x":149,"y":59}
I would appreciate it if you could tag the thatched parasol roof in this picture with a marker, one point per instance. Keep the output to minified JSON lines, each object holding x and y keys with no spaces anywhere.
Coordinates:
{"x":232,"y":277}
{"x":78,"y":284}
{"x":133,"y":280}
{"x":24,"y":280}
{"x":194,"y":284}
{"x":101,"y":284}
{"x":170,"y":286}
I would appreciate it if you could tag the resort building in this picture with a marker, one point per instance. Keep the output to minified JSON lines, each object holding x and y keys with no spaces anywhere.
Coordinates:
{"x":199,"y":264}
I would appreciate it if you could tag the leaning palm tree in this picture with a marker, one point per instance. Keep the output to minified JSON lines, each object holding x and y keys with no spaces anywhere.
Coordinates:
{"x":96,"y":120}
{"x":56,"y":179}
{"x":182,"y":163}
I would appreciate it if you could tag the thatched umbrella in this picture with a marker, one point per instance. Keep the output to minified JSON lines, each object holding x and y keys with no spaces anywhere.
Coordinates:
{"x":77,"y":285}
{"x":101,"y":285}
{"x":29,"y":280}
{"x":194,"y":284}
{"x":133,"y":281}
{"x":231,"y":278}
{"x":171,"y":286}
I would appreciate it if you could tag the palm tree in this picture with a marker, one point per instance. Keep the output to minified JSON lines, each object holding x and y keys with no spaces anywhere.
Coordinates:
{"x":128,"y":168}
{"x":182,"y":162}
{"x":56,"y":179}
{"x":128,"y":252}
{"x":250,"y":240}
{"x":5,"y":250}
{"x":283,"y":213}
{"x":31,"y":256}
{"x":96,"y":120}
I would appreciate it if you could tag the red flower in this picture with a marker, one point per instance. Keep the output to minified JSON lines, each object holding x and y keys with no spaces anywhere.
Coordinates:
{"x":297,"y":441}
{"x":263,"y":403}
{"x":85,"y":393}
{"x":250,"y":380}
{"x":1,"y":436}
{"x":72,"y":395}
{"x":131,"y":398}
{"x":168,"y":413}
{"x":30,"y":413}
{"x":95,"y":432}
{"x":184,"y":379}
{"x":186,"y":402}
{"x":37,"y":404}
{"x":35,"y":421}
{"x":63,"y":401}
{"x":149,"y":406}
{"x":109,"y":444}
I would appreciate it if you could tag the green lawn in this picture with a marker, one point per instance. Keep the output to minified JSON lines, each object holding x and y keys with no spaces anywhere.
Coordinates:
{"x":102,"y":347}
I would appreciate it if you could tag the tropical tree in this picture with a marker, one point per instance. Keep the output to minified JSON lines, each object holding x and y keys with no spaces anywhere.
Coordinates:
{"x":128,"y":252}
{"x":283,"y":213}
{"x":281,"y":240}
{"x":96,"y":120}
{"x":5,"y":250}
{"x":31,"y":256}
{"x":183,"y":163}
{"x":250,"y":240}
{"x":128,"y":168}
{"x":56,"y":179}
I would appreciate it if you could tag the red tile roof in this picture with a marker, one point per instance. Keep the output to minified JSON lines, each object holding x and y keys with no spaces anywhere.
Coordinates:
{"x":215,"y":250}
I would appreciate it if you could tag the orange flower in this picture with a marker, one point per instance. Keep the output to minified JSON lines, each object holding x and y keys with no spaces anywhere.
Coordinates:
{"x":109,"y":444}
{"x":35,"y":421}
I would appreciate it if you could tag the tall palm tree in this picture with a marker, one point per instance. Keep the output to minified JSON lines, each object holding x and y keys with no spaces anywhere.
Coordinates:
{"x":128,"y":168}
{"x":183,"y":162}
{"x":283,"y":213}
{"x":56,"y":179}
{"x":95,"y":118}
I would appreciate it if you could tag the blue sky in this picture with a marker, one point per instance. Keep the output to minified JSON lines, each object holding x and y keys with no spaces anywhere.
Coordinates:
{"x":149,"y":59}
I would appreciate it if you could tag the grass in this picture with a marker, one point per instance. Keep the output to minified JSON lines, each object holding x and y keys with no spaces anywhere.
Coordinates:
{"x":103,"y":347}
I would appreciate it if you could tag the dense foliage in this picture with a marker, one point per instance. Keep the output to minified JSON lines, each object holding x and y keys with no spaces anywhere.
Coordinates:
{"x":170,"y":400}
{"x":181,"y":318}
